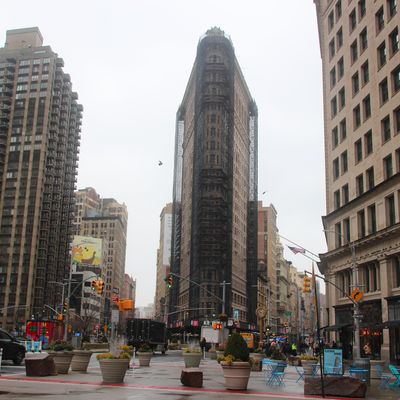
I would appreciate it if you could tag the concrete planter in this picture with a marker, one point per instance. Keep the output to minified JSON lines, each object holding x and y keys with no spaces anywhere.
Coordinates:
{"x":80,"y":360}
{"x":236,"y":375}
{"x":192,"y":360}
{"x":113,"y":370}
{"x":213,"y":355}
{"x":144,"y":358}
{"x":257,"y":361}
{"x":62,"y":360}
{"x":220,"y":353}
{"x":307,"y":367}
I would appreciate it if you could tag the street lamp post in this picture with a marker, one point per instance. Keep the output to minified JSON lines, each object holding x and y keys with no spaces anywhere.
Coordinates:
{"x":356,"y":311}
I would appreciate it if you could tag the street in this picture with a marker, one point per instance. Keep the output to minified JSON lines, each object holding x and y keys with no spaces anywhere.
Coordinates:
{"x":160,"y":381}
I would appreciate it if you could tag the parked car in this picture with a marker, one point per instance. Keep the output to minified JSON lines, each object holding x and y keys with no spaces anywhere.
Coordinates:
{"x":12,"y":348}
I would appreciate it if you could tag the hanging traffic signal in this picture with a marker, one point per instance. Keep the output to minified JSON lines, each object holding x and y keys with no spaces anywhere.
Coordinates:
{"x":169,"y":281}
{"x":94,"y":285}
{"x":100,"y":286}
{"x":306,"y":284}
{"x":65,"y":306}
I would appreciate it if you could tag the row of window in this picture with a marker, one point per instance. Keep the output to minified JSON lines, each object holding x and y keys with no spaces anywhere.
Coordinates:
{"x":341,"y":197}
{"x":36,"y":61}
{"x":367,"y":221}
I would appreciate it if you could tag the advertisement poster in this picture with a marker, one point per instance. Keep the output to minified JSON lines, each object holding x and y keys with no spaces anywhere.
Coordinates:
{"x":333,"y":361}
{"x":86,"y":251}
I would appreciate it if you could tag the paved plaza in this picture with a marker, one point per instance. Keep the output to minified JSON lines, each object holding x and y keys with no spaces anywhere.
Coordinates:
{"x":160,"y":381}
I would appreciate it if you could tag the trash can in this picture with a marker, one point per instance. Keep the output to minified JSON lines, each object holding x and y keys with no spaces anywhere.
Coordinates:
{"x":364,"y":363}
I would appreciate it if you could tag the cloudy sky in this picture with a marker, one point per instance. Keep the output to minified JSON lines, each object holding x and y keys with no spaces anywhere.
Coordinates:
{"x":130,"y":61}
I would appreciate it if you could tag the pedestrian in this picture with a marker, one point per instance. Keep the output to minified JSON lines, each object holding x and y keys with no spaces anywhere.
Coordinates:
{"x":368,"y":349}
{"x":203,"y":344}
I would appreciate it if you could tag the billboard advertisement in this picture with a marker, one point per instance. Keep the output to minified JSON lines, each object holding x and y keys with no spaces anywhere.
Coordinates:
{"x":86,"y":252}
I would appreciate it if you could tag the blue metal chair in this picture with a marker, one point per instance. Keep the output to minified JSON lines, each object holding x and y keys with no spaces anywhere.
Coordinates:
{"x":300,"y":371}
{"x":359,"y":373}
{"x":277,"y":375}
{"x":396,"y":373}
{"x":267,"y":367}
{"x":385,"y":378}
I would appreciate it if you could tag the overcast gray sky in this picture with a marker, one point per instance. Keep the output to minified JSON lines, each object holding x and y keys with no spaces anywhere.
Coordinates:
{"x":130,"y":61}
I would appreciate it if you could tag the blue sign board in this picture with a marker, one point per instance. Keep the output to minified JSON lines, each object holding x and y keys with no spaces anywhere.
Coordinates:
{"x":333,"y":362}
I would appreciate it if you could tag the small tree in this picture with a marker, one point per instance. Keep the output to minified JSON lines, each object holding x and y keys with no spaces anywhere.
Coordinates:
{"x":237,"y":347}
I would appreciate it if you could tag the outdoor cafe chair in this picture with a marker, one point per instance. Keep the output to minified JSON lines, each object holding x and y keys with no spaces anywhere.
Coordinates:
{"x":385,"y":378}
{"x":300,"y":371}
{"x":358,"y":373}
{"x":396,"y":373}
{"x":277,"y":375}
{"x":267,"y":367}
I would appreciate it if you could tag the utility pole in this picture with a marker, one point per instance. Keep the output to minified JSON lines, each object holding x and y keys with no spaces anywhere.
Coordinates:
{"x":223,"y":284}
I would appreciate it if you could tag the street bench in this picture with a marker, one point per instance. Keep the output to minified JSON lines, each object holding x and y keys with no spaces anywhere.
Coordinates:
{"x":39,"y":364}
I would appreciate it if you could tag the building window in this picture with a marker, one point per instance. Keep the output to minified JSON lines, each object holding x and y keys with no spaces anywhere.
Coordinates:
{"x":356,"y":117}
{"x":384,"y":91}
{"x":345,"y":282}
{"x":336,"y":168}
{"x":360,"y":185}
{"x":352,"y":20}
{"x":339,"y":38}
{"x":332,"y":75}
{"x":353,"y":52}
{"x":390,"y":210}
{"x":361,"y":224}
{"x":367,"y":107}
{"x":396,"y":80}
{"x":335,"y":137}
{"x":380,"y":20}
{"x":336,"y":199}
{"x":365,"y":73}
{"x":340,"y":68}
{"x":370,"y":275}
{"x":398,"y":162}
{"x":345,"y":194}
{"x":363,"y":39}
{"x":334,"y":108}
{"x":331,"y":21}
{"x":344,"y":163}
{"x":338,"y":234}
{"x":358,"y":151}
{"x":382,"y":55}
{"x":342,"y":98}
{"x":362,"y":9}
{"x":372,"y":219}
{"x":394,"y":41}
{"x":385,"y":125}
{"x":396,"y":272}
{"x":355,"y":83}
{"x":388,"y":166}
{"x":370,"y":178}
{"x":392,"y":8}
{"x":331,"y":48}
{"x":346,"y":230}
{"x":343,"y":129}
{"x":368,"y":143}
{"x":396,"y":117}
{"x":338,"y":9}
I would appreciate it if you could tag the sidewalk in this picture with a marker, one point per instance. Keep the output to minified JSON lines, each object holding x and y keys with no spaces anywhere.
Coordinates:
{"x":164,"y":376}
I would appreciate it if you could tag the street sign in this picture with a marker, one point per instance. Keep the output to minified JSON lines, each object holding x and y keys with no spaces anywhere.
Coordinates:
{"x":288,"y":313}
{"x":115,"y":316}
{"x":115,"y":299}
{"x":357,"y":295}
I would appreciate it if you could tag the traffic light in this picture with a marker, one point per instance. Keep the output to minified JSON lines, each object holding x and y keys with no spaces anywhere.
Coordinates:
{"x":59,"y":317}
{"x":306,"y":284}
{"x":94,"y":285}
{"x":100,"y":286}
{"x":65,"y":306}
{"x":169,"y":280}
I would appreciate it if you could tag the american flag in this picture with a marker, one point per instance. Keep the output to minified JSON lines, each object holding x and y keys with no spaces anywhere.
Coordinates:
{"x":297,"y":250}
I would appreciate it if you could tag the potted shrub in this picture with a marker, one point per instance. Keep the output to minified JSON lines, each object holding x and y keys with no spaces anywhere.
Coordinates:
{"x":62,"y":356}
{"x":191,"y":357}
{"x":236,"y":363}
{"x":113,"y":367}
{"x":306,"y":362}
{"x":145,"y":353}
{"x":220,"y":349}
{"x":80,"y":360}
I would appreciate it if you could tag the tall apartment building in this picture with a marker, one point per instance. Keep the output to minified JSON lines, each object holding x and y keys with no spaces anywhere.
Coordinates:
{"x":359,"y":43}
{"x":267,"y":254}
{"x":40,"y":125}
{"x":109,"y":223}
{"x":215,"y":188}
{"x":87,"y":202}
{"x":163,"y":263}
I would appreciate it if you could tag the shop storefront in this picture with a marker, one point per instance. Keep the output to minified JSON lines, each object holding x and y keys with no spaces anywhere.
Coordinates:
{"x":394,"y":328}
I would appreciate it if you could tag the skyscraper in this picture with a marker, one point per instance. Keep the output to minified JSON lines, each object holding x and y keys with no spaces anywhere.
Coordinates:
{"x":215,"y":190}
{"x":40,"y":121}
{"x":359,"y":44}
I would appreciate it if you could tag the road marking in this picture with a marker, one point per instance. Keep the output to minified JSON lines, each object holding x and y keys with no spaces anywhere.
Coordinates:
{"x":169,"y":388}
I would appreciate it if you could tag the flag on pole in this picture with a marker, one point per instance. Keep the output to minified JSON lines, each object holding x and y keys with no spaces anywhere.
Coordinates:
{"x":297,"y":250}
